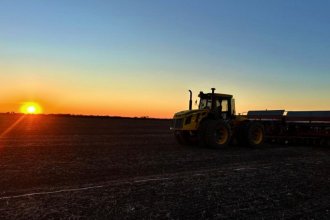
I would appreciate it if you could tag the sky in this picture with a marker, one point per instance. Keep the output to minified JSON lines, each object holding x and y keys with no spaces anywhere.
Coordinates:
{"x":139,"y":58}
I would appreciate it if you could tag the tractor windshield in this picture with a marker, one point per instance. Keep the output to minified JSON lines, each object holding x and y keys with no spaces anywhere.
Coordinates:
{"x":207,"y":104}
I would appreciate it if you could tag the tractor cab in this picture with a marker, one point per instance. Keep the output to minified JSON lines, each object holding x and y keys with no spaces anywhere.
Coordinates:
{"x":223,"y":105}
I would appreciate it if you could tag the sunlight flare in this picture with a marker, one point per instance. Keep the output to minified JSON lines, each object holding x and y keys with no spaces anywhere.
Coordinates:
{"x":31,"y":108}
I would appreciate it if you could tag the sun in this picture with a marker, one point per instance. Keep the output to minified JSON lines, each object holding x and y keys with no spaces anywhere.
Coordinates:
{"x":31,"y":108}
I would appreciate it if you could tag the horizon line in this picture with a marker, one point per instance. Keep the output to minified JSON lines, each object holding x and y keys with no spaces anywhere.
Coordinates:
{"x":84,"y":115}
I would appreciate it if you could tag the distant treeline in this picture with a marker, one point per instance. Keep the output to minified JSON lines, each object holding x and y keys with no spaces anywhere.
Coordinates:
{"x":86,"y":116}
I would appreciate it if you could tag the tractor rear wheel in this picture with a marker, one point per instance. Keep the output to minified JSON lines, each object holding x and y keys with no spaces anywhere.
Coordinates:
{"x":252,"y":134}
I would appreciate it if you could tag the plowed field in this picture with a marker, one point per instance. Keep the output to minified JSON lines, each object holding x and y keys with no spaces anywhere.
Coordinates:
{"x":110,"y":168}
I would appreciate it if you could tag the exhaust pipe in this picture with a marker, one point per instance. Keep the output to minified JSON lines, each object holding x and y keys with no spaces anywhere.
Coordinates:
{"x":190,"y":100}
{"x":213,"y":100}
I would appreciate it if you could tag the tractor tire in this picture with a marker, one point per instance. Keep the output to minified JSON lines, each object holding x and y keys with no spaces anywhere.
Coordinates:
{"x":252,"y":134}
{"x":202,"y":133}
{"x":184,"y":138}
{"x":216,"y":134}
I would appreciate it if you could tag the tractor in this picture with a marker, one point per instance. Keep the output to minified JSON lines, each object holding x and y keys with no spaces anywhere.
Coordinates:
{"x":215,"y":124}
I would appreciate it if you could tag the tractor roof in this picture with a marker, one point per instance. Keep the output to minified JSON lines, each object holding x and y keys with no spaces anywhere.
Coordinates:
{"x":209,"y":95}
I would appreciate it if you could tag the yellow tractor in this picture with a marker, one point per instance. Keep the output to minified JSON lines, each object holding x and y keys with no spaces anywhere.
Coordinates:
{"x":214,"y":124}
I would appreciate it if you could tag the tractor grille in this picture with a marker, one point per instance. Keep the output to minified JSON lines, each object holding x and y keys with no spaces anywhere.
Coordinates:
{"x":177,"y":123}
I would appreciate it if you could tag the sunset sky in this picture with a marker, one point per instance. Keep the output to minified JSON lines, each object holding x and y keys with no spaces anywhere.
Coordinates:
{"x":139,"y":58}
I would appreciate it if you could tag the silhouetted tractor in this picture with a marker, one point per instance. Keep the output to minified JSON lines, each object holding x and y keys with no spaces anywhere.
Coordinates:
{"x":214,"y":124}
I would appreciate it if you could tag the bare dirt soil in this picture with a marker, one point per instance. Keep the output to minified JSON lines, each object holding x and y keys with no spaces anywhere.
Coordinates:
{"x":55,"y":167}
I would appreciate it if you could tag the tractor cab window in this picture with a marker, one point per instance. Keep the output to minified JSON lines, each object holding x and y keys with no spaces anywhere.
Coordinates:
{"x":207,"y":104}
{"x":224,"y":105}
{"x":225,"y":109}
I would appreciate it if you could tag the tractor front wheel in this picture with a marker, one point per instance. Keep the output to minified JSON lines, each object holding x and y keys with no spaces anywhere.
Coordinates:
{"x":216,"y":133}
{"x":185,"y":138}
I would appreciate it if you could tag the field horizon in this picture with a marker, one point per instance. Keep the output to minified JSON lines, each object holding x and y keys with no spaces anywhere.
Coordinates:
{"x":81,"y":115}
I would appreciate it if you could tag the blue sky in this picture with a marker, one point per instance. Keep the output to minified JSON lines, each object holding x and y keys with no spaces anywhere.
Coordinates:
{"x":269,"y":54}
